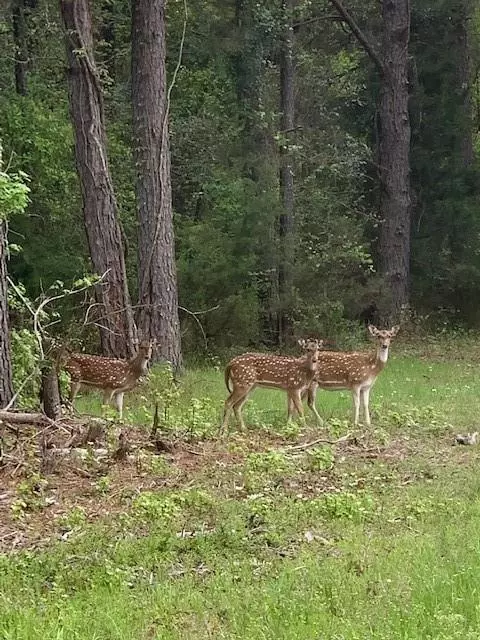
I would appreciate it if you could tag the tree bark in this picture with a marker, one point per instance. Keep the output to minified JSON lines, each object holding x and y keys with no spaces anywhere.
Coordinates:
{"x":260,"y":150}
{"x":394,"y":160}
{"x":36,"y":419}
{"x":464,"y":82}
{"x":6,"y":388}
{"x":50,"y":391}
{"x":115,"y":317}
{"x":248,"y":63}
{"x":21,"y":47}
{"x":158,"y":298}
{"x":286,"y":218}
{"x":394,"y":149}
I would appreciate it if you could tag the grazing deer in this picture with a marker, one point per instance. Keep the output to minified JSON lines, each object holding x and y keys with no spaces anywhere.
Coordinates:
{"x":351,"y":370}
{"x":251,"y":370}
{"x":113,"y":376}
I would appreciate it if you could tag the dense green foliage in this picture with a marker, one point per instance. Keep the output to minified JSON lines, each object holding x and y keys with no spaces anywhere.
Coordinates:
{"x":225,"y":141}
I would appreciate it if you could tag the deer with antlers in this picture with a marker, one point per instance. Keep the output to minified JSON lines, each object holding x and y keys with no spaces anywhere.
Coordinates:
{"x":112,"y":376}
{"x":338,"y":370}
{"x":251,"y":370}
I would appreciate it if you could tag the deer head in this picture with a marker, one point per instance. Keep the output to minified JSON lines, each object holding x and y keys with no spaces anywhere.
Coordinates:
{"x":384,"y":336}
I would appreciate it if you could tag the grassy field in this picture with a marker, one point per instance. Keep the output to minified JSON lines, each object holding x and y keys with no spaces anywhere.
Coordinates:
{"x":254,"y":536}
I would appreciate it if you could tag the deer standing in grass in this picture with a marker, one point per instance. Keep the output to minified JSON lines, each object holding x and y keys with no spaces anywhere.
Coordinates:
{"x":112,"y":376}
{"x":251,"y":370}
{"x":338,"y":370}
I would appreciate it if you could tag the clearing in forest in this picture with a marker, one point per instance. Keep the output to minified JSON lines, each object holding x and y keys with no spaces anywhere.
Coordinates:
{"x":279,"y":532}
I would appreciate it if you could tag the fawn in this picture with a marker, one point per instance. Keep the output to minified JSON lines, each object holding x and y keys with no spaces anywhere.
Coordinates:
{"x":113,"y":376}
{"x":338,"y":370}
{"x":251,"y":370}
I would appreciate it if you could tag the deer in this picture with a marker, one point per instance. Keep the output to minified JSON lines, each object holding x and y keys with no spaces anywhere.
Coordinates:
{"x":356,"y":371}
{"x":251,"y":370}
{"x":112,"y":376}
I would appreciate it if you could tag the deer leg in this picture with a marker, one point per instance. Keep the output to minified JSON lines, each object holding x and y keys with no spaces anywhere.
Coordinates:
{"x":237,"y":395}
{"x":295,"y":401}
{"x":365,"y":398}
{"x":107,"y":396}
{"x":237,"y":409}
{"x":291,"y":409}
{"x":311,"y":395}
{"x":356,"y":404}
{"x":74,"y":388}
{"x":118,"y":402}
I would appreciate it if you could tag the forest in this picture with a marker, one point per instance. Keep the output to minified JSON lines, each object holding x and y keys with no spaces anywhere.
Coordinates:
{"x":201,"y":197}
{"x":323,"y":162}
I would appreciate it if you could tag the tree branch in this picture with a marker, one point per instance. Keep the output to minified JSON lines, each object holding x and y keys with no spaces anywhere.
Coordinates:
{"x":194,"y":314}
{"x":332,"y":17}
{"x":18,"y":391}
{"x":358,"y":33}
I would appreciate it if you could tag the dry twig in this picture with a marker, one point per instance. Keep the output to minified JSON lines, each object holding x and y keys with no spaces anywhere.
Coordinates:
{"x":307,"y":445}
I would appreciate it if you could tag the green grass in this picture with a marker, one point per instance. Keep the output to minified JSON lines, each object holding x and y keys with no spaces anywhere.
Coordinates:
{"x":406,"y":382}
{"x":384,"y":545}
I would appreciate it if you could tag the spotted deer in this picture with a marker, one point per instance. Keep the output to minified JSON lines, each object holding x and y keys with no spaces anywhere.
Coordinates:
{"x":351,"y":370}
{"x":112,"y":376}
{"x":251,"y":370}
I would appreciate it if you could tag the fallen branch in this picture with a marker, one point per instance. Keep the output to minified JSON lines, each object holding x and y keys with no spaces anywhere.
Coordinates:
{"x":37,"y":419}
{"x":307,"y":445}
{"x":194,"y":453}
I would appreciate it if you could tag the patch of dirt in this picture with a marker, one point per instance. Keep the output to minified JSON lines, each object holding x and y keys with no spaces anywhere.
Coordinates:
{"x":48,"y":474}
{"x":43,"y":476}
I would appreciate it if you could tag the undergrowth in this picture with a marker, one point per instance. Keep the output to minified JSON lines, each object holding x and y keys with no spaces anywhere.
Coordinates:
{"x":284,"y":531}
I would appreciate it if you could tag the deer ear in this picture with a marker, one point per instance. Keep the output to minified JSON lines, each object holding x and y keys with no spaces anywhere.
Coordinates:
{"x":373,"y":330}
{"x":394,"y":330}
{"x":302,"y":343}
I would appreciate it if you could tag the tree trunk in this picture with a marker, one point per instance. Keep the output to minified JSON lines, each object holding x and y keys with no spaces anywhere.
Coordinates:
{"x":248,"y":63}
{"x":394,"y":149}
{"x":394,"y":169}
{"x":158,"y":302}
{"x":286,"y":219}
{"x":464,"y":82}
{"x":260,"y":150}
{"x":21,"y":47}
{"x":6,"y":389}
{"x":104,"y":234}
{"x":50,"y":391}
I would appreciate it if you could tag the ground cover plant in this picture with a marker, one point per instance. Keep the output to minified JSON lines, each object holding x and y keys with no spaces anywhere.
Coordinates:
{"x":283,"y":531}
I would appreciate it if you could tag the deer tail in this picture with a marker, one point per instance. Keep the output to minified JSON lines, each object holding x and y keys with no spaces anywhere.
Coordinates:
{"x":227,"y":377}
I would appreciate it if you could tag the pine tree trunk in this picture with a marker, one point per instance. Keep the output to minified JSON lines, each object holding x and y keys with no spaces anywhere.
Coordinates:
{"x":286,"y":219}
{"x":394,"y":241}
{"x":158,"y":301}
{"x":103,"y":230}
{"x":464,"y":81}
{"x":6,"y":389}
{"x":260,"y":150}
